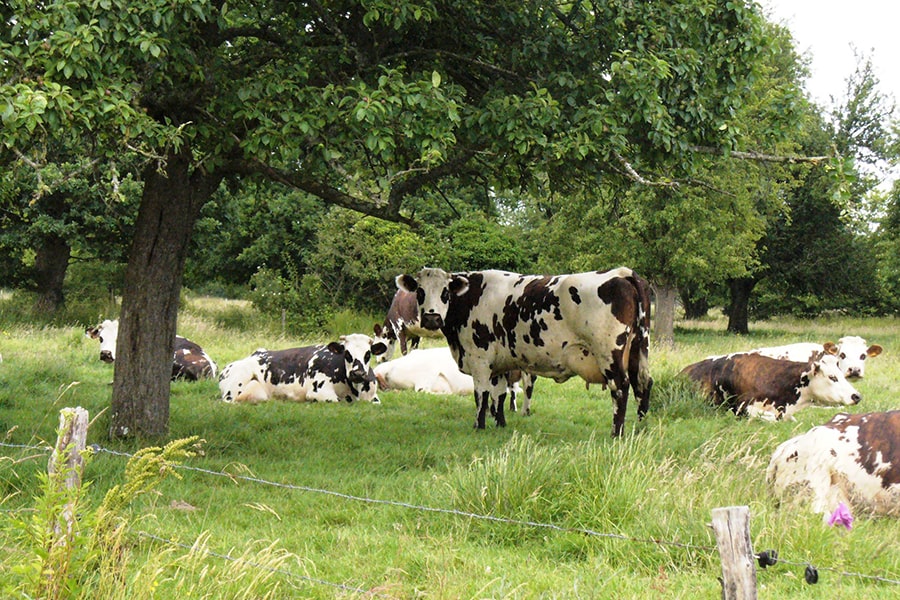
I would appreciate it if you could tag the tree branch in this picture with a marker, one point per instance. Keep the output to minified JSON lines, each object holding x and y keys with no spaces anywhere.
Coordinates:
{"x":761,"y":157}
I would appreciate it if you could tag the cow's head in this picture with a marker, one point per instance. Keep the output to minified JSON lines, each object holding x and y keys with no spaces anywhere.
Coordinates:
{"x":388,"y":337}
{"x":827,"y":385}
{"x":433,"y":289}
{"x":106,"y":332}
{"x":357,"y":350}
{"x":852,"y":352}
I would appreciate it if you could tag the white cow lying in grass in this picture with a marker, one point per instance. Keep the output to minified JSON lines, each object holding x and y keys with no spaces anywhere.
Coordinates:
{"x":433,"y":371}
{"x":851,"y":351}
{"x":854,"y":459}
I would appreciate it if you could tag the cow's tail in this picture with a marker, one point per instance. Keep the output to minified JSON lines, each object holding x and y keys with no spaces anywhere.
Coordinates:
{"x":639,"y":358}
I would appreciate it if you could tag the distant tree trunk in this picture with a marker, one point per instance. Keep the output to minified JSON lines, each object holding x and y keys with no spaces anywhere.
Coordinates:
{"x":170,"y":205}
{"x":664,"y":329}
{"x":740,"y":304}
{"x":50,"y":263}
{"x":695,"y":305}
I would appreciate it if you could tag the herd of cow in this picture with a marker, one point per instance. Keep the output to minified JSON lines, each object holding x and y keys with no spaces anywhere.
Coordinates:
{"x":505,"y":329}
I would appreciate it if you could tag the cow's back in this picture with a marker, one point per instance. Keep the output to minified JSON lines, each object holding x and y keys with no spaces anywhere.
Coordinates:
{"x":738,"y":379}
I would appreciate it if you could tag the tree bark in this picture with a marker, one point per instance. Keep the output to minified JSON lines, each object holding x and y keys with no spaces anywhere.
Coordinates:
{"x":170,"y":206}
{"x":664,"y":328}
{"x":51,"y":261}
{"x":740,"y":304}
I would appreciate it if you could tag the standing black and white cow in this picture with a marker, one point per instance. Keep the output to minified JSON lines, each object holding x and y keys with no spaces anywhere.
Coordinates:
{"x":595,"y":325}
{"x":189,"y":360}
{"x":401,"y":324}
{"x":326,"y":372}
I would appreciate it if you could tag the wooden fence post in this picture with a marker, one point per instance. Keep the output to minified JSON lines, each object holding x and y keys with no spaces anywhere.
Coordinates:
{"x":67,"y":462}
{"x":732,"y":528}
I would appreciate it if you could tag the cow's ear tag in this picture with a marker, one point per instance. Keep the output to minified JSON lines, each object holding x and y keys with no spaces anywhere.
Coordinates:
{"x":459,"y":285}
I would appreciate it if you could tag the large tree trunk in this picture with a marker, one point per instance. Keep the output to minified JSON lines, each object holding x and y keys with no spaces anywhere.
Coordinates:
{"x":51,"y":261}
{"x":170,"y":205}
{"x":740,"y":304}
{"x":664,"y":327}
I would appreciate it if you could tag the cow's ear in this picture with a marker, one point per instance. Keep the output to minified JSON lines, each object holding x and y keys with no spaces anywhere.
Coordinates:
{"x":874,"y":350}
{"x":830,"y":348}
{"x":92,"y":332}
{"x":377,"y":329}
{"x":379,"y":348}
{"x":459,"y":285}
{"x":407,"y":283}
{"x":336,"y":347}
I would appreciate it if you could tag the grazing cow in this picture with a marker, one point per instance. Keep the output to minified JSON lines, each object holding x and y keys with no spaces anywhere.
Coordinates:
{"x":401,"y":324}
{"x":852,"y":352}
{"x":332,"y":372}
{"x":433,"y":370}
{"x":189,"y":361}
{"x":854,"y":459}
{"x":770,"y":388}
{"x":595,"y":325}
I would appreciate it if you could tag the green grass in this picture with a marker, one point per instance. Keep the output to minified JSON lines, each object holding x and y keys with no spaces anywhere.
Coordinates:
{"x":558,"y":467}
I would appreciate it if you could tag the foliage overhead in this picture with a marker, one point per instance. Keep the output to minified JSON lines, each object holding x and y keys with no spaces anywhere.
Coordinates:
{"x":370,"y":105}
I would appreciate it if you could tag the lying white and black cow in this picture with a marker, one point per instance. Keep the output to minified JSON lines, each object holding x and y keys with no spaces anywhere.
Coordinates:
{"x":189,"y":360}
{"x":852,"y":352}
{"x":854,"y":459}
{"x":595,"y":325}
{"x":433,"y":371}
{"x":770,"y":388}
{"x":326,"y":372}
{"x":401,"y":324}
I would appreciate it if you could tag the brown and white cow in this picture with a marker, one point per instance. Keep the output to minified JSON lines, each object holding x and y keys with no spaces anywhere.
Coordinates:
{"x":852,"y":352}
{"x":401,"y":324}
{"x":595,"y":325}
{"x":327,"y":372}
{"x":189,"y":361}
{"x":770,"y":388}
{"x":854,"y":459}
{"x":434,"y":371}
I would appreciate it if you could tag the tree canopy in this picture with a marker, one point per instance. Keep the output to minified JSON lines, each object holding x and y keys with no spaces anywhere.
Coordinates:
{"x":382,"y":107}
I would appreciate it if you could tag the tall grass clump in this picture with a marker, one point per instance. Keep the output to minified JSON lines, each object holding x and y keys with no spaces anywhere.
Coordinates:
{"x":49,"y":555}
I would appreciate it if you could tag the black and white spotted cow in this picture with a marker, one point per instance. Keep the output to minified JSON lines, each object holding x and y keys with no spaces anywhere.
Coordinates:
{"x":851,"y":351}
{"x":853,"y":458}
{"x":401,"y":324}
{"x":189,"y":361}
{"x":595,"y":325}
{"x":327,"y":372}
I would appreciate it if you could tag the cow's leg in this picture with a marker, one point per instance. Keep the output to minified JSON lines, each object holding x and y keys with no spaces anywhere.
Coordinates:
{"x":414,"y":342}
{"x":620,"y":402}
{"x":482,"y":401}
{"x":528,"y":387}
{"x":500,"y":387}
{"x":401,"y":335}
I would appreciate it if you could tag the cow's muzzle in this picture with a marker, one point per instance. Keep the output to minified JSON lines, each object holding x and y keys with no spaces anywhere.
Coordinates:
{"x":855,"y":398}
{"x":106,"y":356}
{"x":357,"y":375}
{"x":432,"y":321}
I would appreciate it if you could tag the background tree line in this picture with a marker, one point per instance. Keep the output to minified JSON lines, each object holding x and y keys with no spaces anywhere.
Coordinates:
{"x":307,"y":152}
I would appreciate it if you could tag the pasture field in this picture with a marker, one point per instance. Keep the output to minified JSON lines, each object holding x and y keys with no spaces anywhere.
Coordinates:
{"x":387,"y":501}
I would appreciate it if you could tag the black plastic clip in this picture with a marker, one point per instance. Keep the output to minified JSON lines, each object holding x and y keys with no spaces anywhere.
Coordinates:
{"x":767,"y":558}
{"x":811,"y":575}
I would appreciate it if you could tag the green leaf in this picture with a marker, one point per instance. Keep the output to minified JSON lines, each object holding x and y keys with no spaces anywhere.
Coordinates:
{"x":435,"y":79}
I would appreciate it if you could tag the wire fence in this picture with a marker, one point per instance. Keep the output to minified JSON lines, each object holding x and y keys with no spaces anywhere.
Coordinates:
{"x":766,"y":559}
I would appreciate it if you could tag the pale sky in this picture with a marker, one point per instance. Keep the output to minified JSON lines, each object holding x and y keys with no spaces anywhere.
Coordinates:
{"x":828,"y":30}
